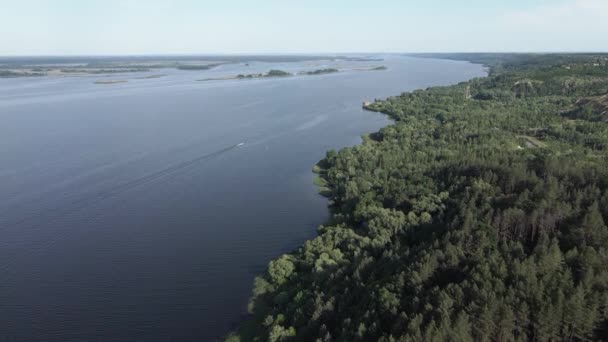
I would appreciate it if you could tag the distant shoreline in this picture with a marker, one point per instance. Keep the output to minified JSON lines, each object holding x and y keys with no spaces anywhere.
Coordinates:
{"x":17,"y":67}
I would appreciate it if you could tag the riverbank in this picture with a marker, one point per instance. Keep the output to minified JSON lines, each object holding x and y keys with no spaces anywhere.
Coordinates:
{"x":425,"y":207}
{"x":269,"y":284}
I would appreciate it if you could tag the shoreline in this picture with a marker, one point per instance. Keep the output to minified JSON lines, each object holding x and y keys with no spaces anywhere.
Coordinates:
{"x":324,"y":189}
{"x":433,"y":217}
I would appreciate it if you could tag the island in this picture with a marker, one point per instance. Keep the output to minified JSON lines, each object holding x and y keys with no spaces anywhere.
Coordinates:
{"x":479,"y":215}
{"x":278,"y":73}
{"x":381,"y":67}
{"x":110,"y":81}
{"x":281,"y":73}
{"x":322,"y":71}
{"x":269,"y":74}
{"x":196,"y":67}
{"x":371,"y":68}
{"x":150,"y":77}
{"x":21,"y":73}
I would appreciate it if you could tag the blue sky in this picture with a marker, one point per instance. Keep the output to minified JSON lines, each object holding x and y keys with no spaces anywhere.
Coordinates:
{"x":58,"y":27}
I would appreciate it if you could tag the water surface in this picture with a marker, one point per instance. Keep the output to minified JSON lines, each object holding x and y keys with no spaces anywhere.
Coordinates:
{"x":128,"y":213}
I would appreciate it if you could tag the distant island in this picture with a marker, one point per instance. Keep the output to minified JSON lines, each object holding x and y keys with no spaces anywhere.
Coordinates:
{"x":197,"y":66}
{"x":322,"y":71}
{"x":110,"y":81}
{"x":281,"y":73}
{"x":150,"y":77}
{"x":271,"y":73}
{"x":373,"y":68}
{"x":25,"y":73}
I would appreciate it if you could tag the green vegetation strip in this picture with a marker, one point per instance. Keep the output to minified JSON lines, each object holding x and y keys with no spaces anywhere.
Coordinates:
{"x":480,"y":215}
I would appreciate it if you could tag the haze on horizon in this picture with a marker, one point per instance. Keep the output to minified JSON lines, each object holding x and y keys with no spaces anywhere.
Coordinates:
{"x":125,"y":27}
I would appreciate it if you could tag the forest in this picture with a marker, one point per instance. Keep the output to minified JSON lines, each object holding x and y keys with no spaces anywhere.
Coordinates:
{"x":479,"y":215}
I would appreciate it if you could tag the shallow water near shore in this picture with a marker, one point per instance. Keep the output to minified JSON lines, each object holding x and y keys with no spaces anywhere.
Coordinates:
{"x":142,"y":210}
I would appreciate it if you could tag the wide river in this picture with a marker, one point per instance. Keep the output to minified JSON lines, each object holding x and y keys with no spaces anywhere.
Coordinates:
{"x":129,"y":213}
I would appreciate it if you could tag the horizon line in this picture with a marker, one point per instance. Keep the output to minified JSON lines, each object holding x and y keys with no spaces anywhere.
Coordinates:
{"x":220,"y":54}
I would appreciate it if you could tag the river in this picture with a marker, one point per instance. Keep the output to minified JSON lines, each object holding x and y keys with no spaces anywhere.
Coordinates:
{"x":129,"y":213}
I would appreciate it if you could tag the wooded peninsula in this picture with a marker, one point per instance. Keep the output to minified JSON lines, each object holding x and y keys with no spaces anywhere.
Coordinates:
{"x":479,"y":215}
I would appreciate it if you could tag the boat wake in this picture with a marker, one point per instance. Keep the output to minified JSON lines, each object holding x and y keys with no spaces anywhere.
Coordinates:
{"x":121,"y":188}
{"x":54,"y":214}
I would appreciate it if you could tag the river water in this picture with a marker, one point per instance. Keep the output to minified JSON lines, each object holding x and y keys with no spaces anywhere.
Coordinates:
{"x":129,"y":213}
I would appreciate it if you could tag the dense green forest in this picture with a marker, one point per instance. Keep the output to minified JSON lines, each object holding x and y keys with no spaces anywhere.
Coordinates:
{"x":480,"y":215}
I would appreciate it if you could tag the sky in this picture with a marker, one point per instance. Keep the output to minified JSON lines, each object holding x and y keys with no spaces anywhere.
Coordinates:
{"x":132,"y":27}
